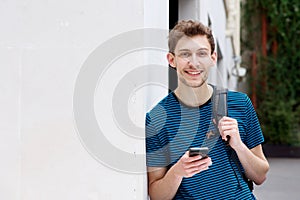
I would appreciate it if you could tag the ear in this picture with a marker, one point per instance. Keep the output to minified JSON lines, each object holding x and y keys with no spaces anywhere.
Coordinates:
{"x":171,"y":60}
{"x":214,"y":57}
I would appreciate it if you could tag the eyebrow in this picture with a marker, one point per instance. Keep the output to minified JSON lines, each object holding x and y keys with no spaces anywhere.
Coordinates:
{"x":201,"y":49}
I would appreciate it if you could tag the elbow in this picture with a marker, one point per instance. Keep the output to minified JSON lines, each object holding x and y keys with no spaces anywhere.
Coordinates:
{"x":152,"y":194}
{"x":263,"y":176}
{"x":260,"y":180}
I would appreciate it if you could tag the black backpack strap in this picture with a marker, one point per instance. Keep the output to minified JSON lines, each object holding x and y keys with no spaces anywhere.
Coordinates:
{"x":219,"y":109}
{"x":219,"y":106}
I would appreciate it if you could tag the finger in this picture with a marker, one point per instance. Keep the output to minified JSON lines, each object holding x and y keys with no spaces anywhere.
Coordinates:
{"x":225,"y":134}
{"x":227,"y":127}
{"x":202,"y":167}
{"x":225,"y":137}
{"x":230,"y":131}
{"x":205,"y":161}
{"x":187,"y":159}
{"x":224,"y":119}
{"x":186,"y":156}
{"x":198,"y":168}
{"x":228,"y":123}
{"x":195,"y":158}
{"x":223,"y":125}
{"x":228,"y":119}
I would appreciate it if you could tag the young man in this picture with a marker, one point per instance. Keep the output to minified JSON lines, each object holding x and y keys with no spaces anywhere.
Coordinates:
{"x":183,"y":119}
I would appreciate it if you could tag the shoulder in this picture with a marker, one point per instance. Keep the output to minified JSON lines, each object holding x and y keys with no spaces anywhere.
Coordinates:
{"x":162,"y":107}
{"x":238,"y":96}
{"x":166,"y":102}
{"x":238,"y":99}
{"x":239,"y":104}
{"x":232,"y":96}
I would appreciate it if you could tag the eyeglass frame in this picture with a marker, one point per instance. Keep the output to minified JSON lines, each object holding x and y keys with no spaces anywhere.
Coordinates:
{"x":199,"y":54}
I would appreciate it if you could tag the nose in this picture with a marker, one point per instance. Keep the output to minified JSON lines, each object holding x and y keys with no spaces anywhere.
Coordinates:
{"x":194,"y":60}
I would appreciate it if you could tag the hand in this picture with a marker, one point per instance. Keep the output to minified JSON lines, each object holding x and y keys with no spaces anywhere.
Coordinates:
{"x":189,"y":166}
{"x":228,"y":128}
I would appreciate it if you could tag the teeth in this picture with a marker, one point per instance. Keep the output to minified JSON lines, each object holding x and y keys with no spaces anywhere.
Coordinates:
{"x":194,"y":73}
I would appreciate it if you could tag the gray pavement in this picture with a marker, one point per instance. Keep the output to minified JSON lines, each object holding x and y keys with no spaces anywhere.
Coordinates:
{"x":283,"y":180}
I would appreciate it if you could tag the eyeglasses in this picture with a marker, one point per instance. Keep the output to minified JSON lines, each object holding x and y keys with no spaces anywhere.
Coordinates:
{"x":188,"y":55}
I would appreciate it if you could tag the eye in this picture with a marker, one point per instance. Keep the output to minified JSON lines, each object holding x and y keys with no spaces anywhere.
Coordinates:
{"x":185,"y":54}
{"x":202,"y":53}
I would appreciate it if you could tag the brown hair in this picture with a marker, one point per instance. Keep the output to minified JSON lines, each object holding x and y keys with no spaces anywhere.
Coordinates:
{"x":189,"y":28}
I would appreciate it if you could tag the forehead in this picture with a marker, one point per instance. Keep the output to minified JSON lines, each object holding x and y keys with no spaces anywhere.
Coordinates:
{"x":193,"y":43}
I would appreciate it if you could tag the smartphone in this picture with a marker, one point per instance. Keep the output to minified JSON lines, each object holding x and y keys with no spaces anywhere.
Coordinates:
{"x":194,"y":151}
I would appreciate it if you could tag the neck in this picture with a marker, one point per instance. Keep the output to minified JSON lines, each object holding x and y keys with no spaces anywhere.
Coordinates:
{"x":194,"y":96}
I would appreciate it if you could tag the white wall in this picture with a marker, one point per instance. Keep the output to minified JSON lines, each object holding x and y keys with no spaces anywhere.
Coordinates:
{"x":43,"y":45}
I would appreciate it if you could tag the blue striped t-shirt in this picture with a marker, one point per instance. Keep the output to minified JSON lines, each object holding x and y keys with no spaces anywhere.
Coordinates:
{"x":172,"y":128}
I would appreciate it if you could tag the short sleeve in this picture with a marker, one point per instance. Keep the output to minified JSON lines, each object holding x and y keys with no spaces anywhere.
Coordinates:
{"x":156,"y":153}
{"x":253,"y":130}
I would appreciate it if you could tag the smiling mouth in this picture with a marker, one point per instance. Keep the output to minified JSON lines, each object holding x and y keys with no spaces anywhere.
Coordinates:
{"x":194,"y":73}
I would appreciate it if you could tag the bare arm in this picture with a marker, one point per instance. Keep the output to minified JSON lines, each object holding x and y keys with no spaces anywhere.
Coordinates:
{"x":163,"y":183}
{"x":253,"y":160}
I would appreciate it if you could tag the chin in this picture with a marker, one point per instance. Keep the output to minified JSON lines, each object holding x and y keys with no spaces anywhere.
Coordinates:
{"x":195,"y":85}
{"x":192,"y":83}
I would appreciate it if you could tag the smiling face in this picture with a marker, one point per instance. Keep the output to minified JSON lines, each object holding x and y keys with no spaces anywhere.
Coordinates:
{"x":192,"y":60}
